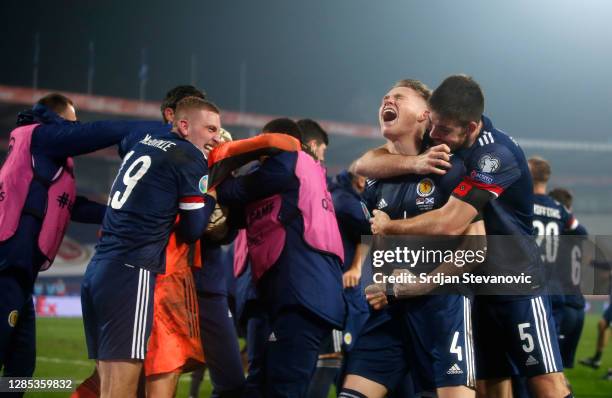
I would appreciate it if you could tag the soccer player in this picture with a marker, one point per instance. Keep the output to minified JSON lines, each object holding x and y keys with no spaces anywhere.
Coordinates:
{"x":572,"y":254}
{"x":296,"y":255}
{"x":497,"y":181}
{"x":429,"y":335}
{"x":37,"y":200}
{"x":550,"y":219}
{"x":179,"y":344}
{"x":159,"y":178}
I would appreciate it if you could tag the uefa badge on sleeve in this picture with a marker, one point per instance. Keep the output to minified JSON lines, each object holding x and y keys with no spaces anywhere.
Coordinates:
{"x":203,"y":184}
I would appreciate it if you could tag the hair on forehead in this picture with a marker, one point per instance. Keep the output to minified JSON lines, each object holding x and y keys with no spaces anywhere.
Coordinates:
{"x":195,"y":103}
{"x":416,"y":85}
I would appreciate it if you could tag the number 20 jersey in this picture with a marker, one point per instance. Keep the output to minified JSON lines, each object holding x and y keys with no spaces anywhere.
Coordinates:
{"x":157,"y":177}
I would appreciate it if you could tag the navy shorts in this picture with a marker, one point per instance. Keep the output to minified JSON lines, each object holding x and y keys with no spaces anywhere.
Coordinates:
{"x":428,"y":336}
{"x":117,"y":302}
{"x":571,"y":329}
{"x":515,"y":337}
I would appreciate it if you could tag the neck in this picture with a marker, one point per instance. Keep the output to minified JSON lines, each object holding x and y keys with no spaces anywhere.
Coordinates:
{"x":539,"y":188}
{"x":407,"y":144}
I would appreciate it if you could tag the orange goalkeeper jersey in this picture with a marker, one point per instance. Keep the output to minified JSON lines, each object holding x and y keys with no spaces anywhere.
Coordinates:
{"x":175,"y":345}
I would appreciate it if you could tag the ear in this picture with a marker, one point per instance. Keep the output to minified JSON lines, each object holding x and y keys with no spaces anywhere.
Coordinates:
{"x":169,"y":115}
{"x":423,"y":116}
{"x":472,"y":127}
{"x":183,"y":128}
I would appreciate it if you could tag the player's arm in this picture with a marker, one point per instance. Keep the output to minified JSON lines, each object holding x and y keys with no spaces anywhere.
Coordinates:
{"x":194,"y":214}
{"x":274,"y":176}
{"x":87,"y":211}
{"x":72,"y":139}
{"x":475,"y":240}
{"x":381,"y":163}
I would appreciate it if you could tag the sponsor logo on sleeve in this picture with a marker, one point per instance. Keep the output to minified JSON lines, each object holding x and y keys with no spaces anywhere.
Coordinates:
{"x":481,"y":177}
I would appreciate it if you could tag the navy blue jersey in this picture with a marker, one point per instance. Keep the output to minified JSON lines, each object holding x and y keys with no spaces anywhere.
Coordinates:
{"x":352,"y":219}
{"x":495,"y":163}
{"x":408,"y":196}
{"x":571,"y":254}
{"x":53,"y":141}
{"x":550,"y":219}
{"x":158,"y":176}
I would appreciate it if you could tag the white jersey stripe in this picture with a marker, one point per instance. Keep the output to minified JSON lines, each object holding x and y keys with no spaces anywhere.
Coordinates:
{"x":470,"y":340}
{"x":135,"y":325}
{"x":543,"y":327}
{"x":191,"y":206}
{"x":145,"y":314}
{"x":547,"y":334}
{"x":539,"y":332}
{"x":140,"y":311}
{"x":465,"y":341}
{"x":480,"y":141}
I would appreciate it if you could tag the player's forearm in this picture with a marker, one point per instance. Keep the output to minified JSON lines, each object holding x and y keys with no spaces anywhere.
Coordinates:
{"x":193,"y":223}
{"x":379,"y":163}
{"x":87,"y":211}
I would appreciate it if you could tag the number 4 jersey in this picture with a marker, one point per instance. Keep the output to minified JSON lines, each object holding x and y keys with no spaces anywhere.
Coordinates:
{"x":158,"y":177}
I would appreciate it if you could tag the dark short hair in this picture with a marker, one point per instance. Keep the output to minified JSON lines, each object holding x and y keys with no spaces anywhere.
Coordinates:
{"x":540,"y":169}
{"x":563,"y":196}
{"x":178,"y":93}
{"x":55,"y":102}
{"x":283,"y":125}
{"x":312,"y":130}
{"x":458,"y":98}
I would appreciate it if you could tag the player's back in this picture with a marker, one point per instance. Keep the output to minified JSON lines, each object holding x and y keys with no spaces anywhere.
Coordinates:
{"x":144,"y":199}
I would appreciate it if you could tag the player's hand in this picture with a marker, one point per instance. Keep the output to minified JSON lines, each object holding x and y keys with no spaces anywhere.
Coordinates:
{"x":403,"y":290}
{"x":436,"y":160}
{"x":351,"y":278}
{"x":379,"y":222}
{"x":376,"y":296}
{"x":212,"y":193}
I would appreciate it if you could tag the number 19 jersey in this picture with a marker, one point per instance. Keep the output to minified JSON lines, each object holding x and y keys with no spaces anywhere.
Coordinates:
{"x":159,"y":175}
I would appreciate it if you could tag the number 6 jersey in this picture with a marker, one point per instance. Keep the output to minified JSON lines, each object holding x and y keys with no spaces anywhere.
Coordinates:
{"x":161,"y":174}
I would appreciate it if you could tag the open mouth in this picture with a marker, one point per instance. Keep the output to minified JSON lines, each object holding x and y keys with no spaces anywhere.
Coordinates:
{"x":208,"y":148}
{"x":389,"y":114}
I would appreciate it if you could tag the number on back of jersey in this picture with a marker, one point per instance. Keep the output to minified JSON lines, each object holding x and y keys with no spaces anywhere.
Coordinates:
{"x":134,"y":172}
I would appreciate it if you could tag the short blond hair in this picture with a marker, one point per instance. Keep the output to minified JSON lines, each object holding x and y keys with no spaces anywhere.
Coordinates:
{"x":540,"y":169}
{"x":193,"y":103}
{"x":418,"y":86}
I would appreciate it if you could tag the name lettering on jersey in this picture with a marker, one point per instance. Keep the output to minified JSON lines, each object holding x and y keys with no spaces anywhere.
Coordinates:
{"x":425,"y":187}
{"x":544,"y":211}
{"x":486,"y":138}
{"x":488,"y":163}
{"x":157,"y":143}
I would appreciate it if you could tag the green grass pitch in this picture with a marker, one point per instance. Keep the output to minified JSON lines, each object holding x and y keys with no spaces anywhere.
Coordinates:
{"x":62,"y":354}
